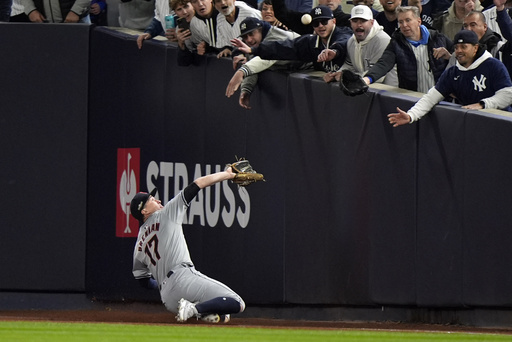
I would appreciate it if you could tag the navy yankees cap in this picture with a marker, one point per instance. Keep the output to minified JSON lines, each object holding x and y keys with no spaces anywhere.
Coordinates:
{"x":321,"y":12}
{"x":465,"y":37}
{"x":249,"y":24}
{"x":138,"y":202}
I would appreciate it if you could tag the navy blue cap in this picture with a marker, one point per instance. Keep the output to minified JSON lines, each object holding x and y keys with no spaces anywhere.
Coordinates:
{"x":249,"y":24}
{"x":321,"y":12}
{"x":465,"y":37}
{"x":138,"y":202}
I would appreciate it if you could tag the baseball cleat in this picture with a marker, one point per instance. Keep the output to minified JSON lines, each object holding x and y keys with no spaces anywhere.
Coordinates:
{"x":215,"y":318}
{"x":186,"y":310}
{"x":211,"y":318}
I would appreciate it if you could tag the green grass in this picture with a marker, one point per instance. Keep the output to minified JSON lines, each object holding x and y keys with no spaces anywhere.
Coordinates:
{"x":100,"y":332}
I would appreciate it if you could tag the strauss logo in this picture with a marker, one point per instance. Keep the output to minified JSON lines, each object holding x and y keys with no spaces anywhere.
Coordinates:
{"x":127,"y":190}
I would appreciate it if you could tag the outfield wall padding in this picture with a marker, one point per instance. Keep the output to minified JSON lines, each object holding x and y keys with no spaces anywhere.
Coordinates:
{"x":353,"y":212}
{"x":43,"y":134}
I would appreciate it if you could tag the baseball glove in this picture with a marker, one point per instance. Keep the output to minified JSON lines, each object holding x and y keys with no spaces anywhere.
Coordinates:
{"x":352,"y":84}
{"x":244,"y":173}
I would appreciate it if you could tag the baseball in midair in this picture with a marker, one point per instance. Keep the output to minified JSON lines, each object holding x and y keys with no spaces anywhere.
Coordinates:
{"x":306,"y":19}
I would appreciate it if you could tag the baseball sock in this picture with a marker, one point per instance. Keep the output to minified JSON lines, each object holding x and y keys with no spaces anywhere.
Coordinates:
{"x":219,"y":305}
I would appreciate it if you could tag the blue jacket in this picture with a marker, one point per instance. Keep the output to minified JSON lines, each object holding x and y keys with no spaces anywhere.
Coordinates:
{"x":306,"y":48}
{"x":399,"y":51}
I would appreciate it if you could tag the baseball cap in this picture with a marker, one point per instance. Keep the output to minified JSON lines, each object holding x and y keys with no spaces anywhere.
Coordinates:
{"x":362,"y":12}
{"x":249,"y":24}
{"x":321,"y":12}
{"x":138,"y":202}
{"x":465,"y":36}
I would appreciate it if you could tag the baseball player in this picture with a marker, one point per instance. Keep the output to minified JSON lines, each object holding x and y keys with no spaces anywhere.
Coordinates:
{"x":477,"y":81}
{"x":161,"y":258}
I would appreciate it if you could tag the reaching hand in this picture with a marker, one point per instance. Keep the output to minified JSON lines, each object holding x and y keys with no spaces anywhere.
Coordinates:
{"x":235,"y":82}
{"x":326,"y":55}
{"x":238,"y":61}
{"x":224,"y":53}
{"x":241,"y":45}
{"x":141,"y":38}
{"x":473,"y":106}
{"x":400,"y":118}
{"x":244,"y":100}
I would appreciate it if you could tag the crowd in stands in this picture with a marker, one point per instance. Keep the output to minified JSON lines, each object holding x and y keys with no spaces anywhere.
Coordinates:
{"x":457,"y":51}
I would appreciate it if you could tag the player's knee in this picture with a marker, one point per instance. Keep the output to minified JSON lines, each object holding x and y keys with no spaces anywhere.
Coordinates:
{"x":242,"y":305}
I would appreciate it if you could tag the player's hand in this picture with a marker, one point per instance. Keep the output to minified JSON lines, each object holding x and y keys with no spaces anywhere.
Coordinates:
{"x":36,"y":17}
{"x":141,"y":38}
{"x":330,"y":77}
{"x":241,"y":45}
{"x":473,"y":106}
{"x":400,"y":118}
{"x":171,"y":34}
{"x":224,"y":53}
{"x":441,"y":53}
{"x":235,"y":82}
{"x":367,"y":80}
{"x":72,"y":17}
{"x":244,"y":100}
{"x":230,"y":172}
{"x":238,"y":61}
{"x":201,"y":48}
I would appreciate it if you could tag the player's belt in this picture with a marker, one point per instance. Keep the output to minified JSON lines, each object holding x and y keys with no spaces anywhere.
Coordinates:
{"x":182,"y":265}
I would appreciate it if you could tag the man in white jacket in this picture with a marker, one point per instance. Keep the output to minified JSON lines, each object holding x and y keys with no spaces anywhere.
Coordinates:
{"x":365,"y":47}
{"x":231,"y":14}
{"x":477,"y":81}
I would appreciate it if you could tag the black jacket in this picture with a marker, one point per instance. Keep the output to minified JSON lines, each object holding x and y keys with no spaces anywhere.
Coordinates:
{"x":306,"y":48}
{"x":293,"y":19}
{"x":399,"y":51}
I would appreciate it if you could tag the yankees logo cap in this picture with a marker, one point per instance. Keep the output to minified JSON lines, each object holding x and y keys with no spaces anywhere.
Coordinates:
{"x":321,"y":12}
{"x":249,"y":24}
{"x":361,"y":12}
{"x":138,"y":202}
{"x":465,"y":37}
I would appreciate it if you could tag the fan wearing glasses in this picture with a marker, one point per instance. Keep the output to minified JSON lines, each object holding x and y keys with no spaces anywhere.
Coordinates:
{"x":326,"y":48}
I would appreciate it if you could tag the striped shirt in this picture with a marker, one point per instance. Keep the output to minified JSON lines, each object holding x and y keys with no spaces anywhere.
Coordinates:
{"x":423,"y":71}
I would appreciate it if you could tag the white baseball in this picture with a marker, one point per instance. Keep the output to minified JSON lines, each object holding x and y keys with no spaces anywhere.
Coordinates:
{"x":306,"y":19}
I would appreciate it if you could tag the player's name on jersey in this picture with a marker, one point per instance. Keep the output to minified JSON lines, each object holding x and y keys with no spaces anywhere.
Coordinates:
{"x":155,"y":227}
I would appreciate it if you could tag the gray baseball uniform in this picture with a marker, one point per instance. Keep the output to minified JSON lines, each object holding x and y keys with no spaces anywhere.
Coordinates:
{"x":161,"y":252}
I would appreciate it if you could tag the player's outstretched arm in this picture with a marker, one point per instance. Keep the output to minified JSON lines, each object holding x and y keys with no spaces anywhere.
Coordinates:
{"x":205,"y":181}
